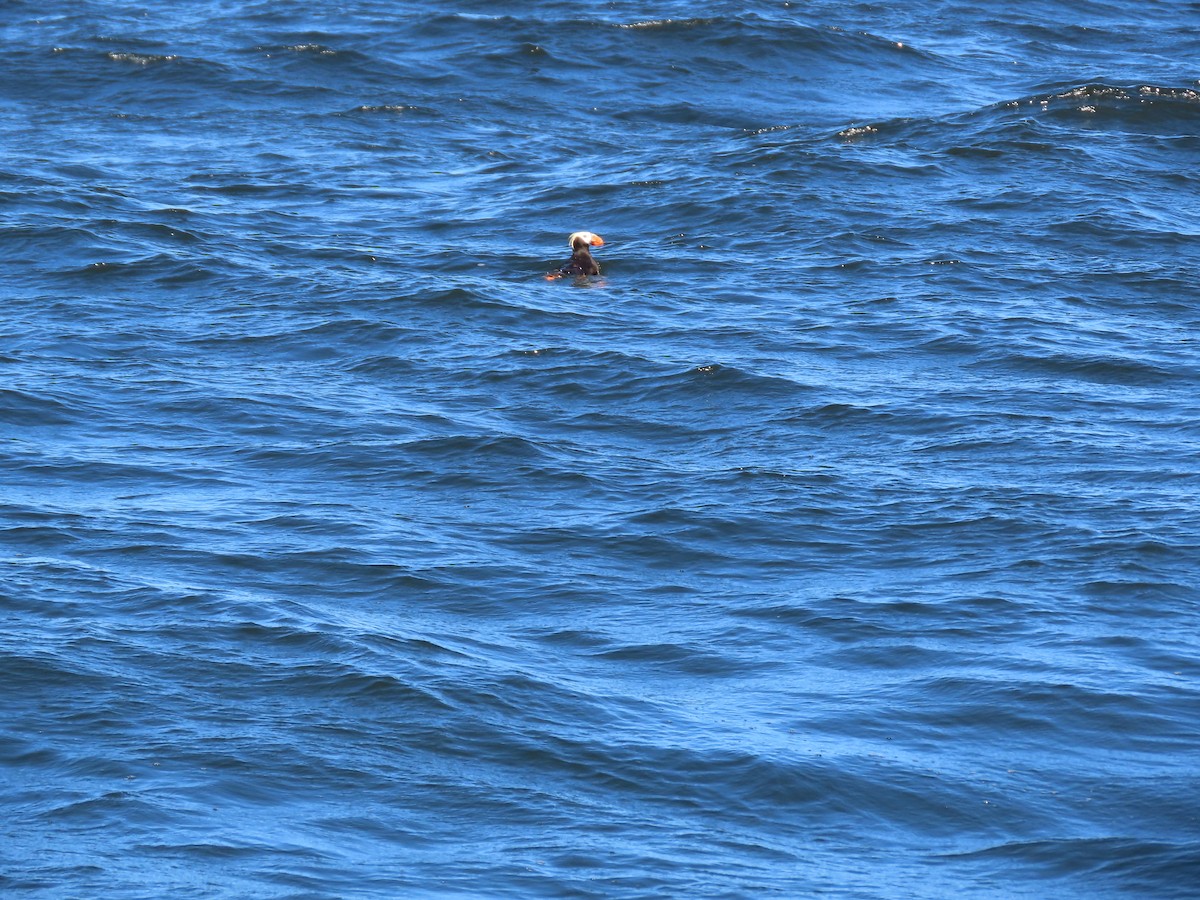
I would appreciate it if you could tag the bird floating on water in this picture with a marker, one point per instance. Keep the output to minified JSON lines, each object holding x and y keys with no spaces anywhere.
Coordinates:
{"x":581,"y":262}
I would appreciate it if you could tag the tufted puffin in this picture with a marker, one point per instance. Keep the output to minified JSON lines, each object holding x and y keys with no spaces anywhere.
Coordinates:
{"x":581,"y":262}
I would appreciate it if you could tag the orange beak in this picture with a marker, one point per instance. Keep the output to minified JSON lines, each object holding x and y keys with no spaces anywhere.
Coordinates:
{"x":596,"y":241}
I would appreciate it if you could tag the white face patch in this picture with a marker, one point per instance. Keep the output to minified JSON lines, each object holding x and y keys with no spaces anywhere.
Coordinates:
{"x":586,"y":236}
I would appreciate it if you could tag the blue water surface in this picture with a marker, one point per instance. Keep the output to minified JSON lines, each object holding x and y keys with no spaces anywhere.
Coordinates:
{"x":840,"y":539}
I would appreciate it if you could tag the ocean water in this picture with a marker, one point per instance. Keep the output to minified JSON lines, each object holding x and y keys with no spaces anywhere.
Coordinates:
{"x":841,"y":539}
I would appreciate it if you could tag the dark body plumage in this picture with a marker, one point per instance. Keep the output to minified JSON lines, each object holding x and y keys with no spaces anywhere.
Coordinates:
{"x":581,"y":261}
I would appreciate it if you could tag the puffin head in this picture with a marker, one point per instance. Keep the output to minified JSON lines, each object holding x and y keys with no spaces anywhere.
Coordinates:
{"x":581,"y":239}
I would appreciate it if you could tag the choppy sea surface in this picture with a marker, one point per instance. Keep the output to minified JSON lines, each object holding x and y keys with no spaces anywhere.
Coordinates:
{"x":841,"y":539}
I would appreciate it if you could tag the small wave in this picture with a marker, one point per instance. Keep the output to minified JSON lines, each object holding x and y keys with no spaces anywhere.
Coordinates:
{"x":750,"y":32}
{"x":714,"y":380}
{"x":393,"y":109}
{"x":356,"y":684}
{"x":1151,"y":107}
{"x":321,"y":338}
{"x":682,"y":658}
{"x":141,"y":59}
{"x":850,"y":134}
{"x":310,"y":50}
{"x":1150,"y":868}
{"x":662,"y":24}
{"x":1103,"y":370}
{"x":1014,"y":124}
{"x":162,"y":268}
{"x":31,"y":409}
{"x":190,"y":71}
{"x":92,"y":471}
{"x":478,"y":449}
